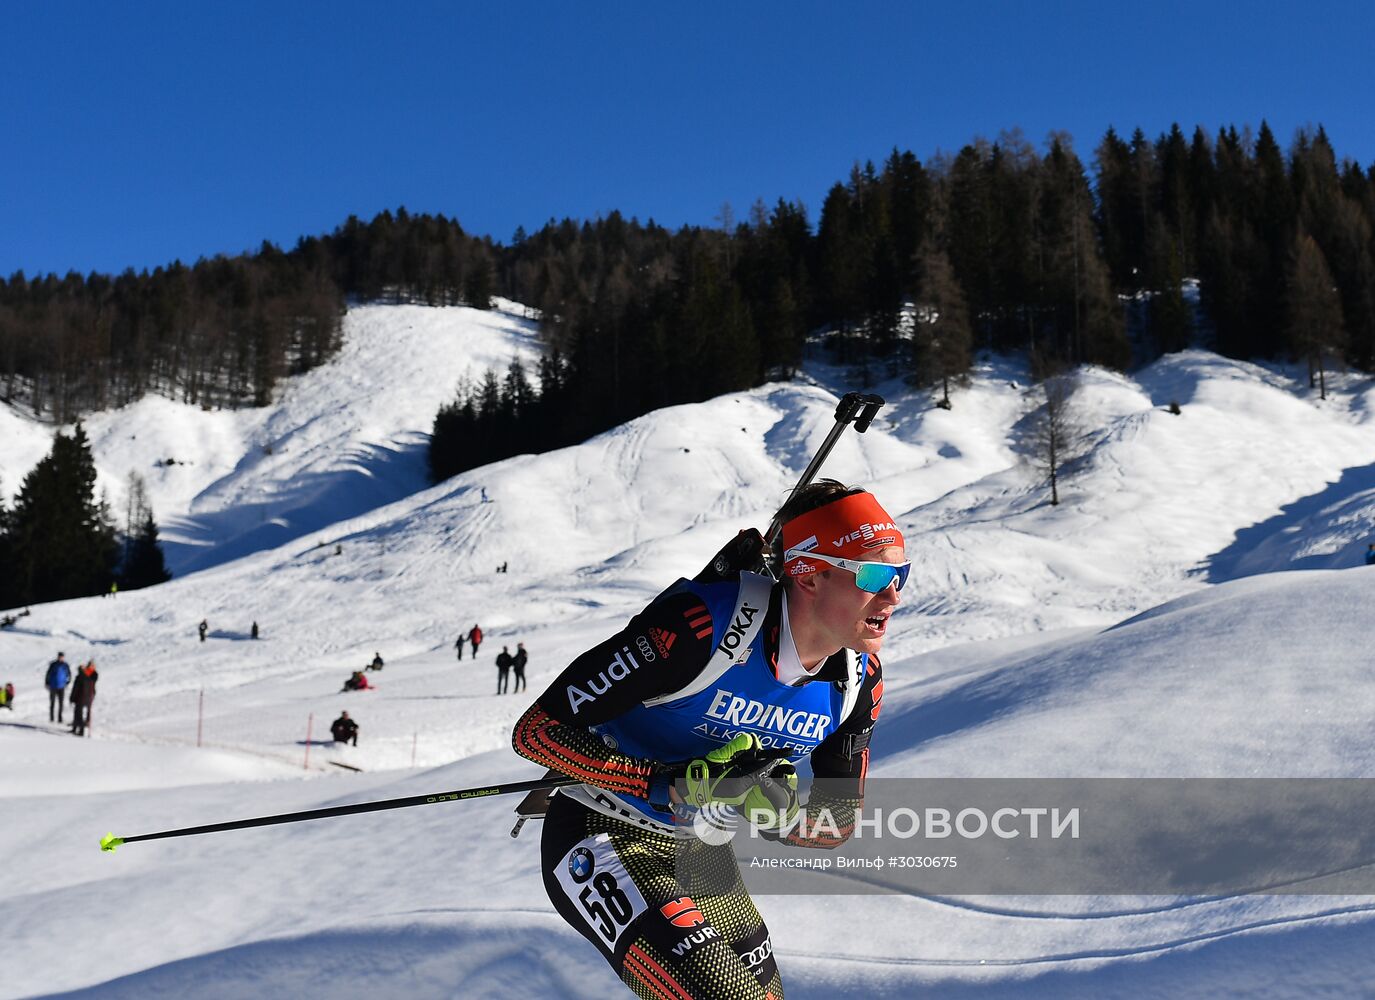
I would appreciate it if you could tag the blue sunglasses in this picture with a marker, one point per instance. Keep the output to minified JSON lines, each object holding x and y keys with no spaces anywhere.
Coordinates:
{"x":871,"y":577}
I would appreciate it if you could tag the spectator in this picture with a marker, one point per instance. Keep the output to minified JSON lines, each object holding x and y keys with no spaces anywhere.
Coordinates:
{"x":357,"y":682}
{"x":345,"y":730}
{"x":503,"y":567}
{"x":254,"y":631}
{"x":518,"y":661}
{"x":459,"y":646}
{"x":1370,"y":555}
{"x":376,"y":663}
{"x":503,"y":669}
{"x":7,"y":697}
{"x":203,"y":628}
{"x":83,"y":694}
{"x":475,"y":637}
{"x":59,"y":675}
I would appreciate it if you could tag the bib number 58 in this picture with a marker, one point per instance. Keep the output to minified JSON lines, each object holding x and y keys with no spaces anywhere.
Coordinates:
{"x":599,"y":888}
{"x":607,"y":906}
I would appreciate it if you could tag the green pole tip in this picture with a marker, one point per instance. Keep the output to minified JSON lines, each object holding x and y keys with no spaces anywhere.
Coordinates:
{"x":109,"y":842}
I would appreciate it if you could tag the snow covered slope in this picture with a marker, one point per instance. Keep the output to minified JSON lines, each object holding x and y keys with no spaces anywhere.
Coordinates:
{"x":1002,"y":660}
{"x":340,"y":440}
{"x":438,"y":901}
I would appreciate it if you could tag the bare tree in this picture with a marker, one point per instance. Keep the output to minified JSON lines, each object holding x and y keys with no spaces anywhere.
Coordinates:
{"x":1057,"y":435}
{"x":1315,"y":322}
{"x":943,"y":339}
{"x":137,"y":509}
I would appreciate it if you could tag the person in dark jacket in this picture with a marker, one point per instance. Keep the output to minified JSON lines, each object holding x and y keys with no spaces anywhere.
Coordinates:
{"x":503,"y":669}
{"x":1370,"y":555}
{"x":518,"y":662}
{"x":345,"y":730}
{"x":459,"y":646}
{"x":203,"y":628}
{"x":668,"y":718}
{"x":58,"y":677}
{"x":376,"y":663}
{"x":83,"y":695}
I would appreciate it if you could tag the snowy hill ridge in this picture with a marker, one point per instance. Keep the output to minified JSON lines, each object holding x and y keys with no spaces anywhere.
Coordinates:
{"x":1100,"y":637}
{"x":342,"y":439}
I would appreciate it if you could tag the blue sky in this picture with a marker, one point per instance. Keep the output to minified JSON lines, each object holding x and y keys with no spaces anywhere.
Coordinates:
{"x":134,"y":134}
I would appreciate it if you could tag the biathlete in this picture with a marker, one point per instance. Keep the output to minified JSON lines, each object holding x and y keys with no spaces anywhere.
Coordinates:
{"x":709,"y":696}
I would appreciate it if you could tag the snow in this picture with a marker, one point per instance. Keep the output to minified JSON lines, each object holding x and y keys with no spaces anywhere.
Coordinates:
{"x":338,"y":441}
{"x":1153,"y":625}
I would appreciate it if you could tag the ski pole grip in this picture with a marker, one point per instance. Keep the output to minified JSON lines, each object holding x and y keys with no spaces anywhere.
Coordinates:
{"x":871,"y":405}
{"x":847,"y":407}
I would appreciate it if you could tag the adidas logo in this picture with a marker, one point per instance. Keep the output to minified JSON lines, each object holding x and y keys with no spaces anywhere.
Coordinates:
{"x":663,"y":640}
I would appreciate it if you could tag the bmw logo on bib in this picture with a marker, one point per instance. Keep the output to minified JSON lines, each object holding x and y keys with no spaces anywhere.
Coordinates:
{"x":581,"y":864}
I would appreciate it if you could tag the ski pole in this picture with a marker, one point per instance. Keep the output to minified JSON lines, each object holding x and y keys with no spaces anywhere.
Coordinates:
{"x":861,"y":408}
{"x":854,"y":407}
{"x":749,"y":548}
{"x":109,"y":842}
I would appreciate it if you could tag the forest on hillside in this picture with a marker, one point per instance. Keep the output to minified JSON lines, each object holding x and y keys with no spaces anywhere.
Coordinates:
{"x":907,"y":268}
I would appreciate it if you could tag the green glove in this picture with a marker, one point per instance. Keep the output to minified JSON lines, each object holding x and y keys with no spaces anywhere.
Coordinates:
{"x":772,"y":803}
{"x":737,"y":774}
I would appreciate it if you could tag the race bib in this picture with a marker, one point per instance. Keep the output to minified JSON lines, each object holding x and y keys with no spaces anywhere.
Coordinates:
{"x":600,"y":889}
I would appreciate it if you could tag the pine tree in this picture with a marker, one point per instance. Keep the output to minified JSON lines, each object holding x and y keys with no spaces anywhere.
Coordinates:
{"x":517,"y":402}
{"x":1232,"y":256}
{"x":550,"y":401}
{"x":1115,"y":209}
{"x":1017,"y":180}
{"x":451,"y":448}
{"x":144,"y":566}
{"x":970,"y":218}
{"x":1275,"y":214}
{"x":62,"y":542}
{"x":1201,"y":180}
{"x":1081,"y":320}
{"x":1176,"y":196}
{"x":479,"y":282}
{"x":843,"y":261}
{"x":492,"y":435}
{"x":1171,"y":319}
{"x":883,"y":273}
{"x":516,"y":393}
{"x":908,"y":189}
{"x":1353,"y":265}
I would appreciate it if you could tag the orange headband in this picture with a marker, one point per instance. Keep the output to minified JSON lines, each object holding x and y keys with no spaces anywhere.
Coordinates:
{"x":853,"y":527}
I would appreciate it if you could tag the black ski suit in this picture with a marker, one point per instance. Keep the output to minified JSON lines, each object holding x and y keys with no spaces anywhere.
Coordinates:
{"x":503,"y":670}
